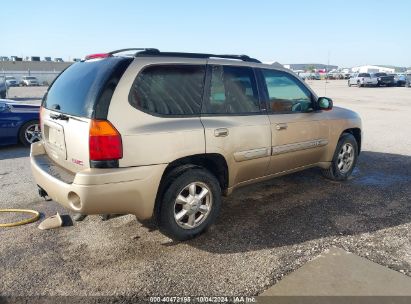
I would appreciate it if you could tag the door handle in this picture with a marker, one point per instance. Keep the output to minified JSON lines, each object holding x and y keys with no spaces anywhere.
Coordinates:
{"x":281,"y":126}
{"x":221,"y":132}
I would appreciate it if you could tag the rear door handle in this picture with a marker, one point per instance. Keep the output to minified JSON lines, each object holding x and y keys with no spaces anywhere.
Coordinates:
{"x":221,"y":132}
{"x":281,"y":126}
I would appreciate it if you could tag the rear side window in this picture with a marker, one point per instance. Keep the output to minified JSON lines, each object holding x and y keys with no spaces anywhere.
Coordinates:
{"x":85,"y":88}
{"x":169,"y":89}
{"x":233,"y":90}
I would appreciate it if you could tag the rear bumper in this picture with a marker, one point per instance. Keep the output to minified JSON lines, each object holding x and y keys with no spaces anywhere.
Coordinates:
{"x":98,"y":191}
{"x":368,"y":82}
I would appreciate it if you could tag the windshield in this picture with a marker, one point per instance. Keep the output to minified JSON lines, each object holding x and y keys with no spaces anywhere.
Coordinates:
{"x":85,"y":88}
{"x":30,"y":78}
{"x":364,"y":75}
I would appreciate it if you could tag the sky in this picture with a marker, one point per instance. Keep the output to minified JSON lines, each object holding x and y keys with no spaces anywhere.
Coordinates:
{"x":342,"y":32}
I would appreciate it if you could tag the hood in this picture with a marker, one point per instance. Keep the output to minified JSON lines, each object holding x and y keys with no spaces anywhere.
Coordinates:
{"x":344,"y":113}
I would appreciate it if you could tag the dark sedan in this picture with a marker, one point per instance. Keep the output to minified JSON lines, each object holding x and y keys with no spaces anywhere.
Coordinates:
{"x":18,"y":123}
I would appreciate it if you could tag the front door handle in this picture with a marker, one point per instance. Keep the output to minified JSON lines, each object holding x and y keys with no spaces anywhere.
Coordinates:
{"x":281,"y":126}
{"x":221,"y":132}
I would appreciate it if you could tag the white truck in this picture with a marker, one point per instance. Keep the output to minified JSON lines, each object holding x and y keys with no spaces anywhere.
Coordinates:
{"x":362,"y":80}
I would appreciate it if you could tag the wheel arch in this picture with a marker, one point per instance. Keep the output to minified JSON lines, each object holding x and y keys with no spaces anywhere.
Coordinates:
{"x":215,"y":163}
{"x":356,"y":132}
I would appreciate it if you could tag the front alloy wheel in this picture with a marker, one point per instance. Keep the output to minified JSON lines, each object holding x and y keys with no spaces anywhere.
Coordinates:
{"x":344,"y":159}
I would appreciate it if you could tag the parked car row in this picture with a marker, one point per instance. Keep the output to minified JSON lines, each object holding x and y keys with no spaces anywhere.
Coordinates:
{"x":379,"y":79}
{"x":310,"y":76}
{"x":338,"y":75}
{"x":30,"y":58}
{"x":26,"y":81}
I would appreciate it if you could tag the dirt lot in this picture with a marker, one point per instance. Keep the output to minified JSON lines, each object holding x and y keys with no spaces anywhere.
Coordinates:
{"x":264,"y":231}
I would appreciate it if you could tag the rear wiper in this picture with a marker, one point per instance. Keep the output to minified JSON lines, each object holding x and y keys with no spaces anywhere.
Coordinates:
{"x":59,"y":116}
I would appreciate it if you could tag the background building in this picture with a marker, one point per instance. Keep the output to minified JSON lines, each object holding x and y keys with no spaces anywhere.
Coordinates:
{"x":372,"y":69}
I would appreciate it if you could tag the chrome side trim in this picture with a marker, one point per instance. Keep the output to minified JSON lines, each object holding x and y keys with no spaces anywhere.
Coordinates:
{"x":251,"y":154}
{"x":298,"y":146}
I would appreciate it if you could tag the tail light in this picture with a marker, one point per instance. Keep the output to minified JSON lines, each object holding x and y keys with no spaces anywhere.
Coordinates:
{"x":104,"y":141}
{"x":100,"y":55}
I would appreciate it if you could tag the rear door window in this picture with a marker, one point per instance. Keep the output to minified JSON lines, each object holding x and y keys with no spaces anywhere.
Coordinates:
{"x":169,"y":89}
{"x":233,"y":90}
{"x":85,"y":88}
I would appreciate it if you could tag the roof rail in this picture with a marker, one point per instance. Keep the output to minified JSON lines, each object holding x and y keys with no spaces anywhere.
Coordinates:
{"x":135,"y":49}
{"x":155,"y":52}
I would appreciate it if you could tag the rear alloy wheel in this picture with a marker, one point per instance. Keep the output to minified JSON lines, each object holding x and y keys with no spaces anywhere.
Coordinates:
{"x":344,"y":160}
{"x":190,"y":204}
{"x":30,"y":133}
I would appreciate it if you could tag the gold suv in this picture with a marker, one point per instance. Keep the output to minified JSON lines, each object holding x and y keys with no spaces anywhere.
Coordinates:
{"x":164,"y":135}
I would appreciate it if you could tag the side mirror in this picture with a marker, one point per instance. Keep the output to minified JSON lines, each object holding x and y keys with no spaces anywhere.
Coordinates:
{"x":325,"y":103}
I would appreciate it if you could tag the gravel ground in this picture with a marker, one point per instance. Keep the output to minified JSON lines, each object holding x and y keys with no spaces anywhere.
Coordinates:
{"x":264,"y":232}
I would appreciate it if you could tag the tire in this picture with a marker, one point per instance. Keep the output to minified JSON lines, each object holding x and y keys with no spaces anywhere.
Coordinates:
{"x":171,"y":207}
{"x":3,"y":95}
{"x":349,"y":84}
{"x":359,"y":84}
{"x":334,"y":172}
{"x":29,"y":126}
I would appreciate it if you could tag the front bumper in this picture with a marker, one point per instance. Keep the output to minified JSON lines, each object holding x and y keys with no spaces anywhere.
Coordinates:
{"x":98,"y":191}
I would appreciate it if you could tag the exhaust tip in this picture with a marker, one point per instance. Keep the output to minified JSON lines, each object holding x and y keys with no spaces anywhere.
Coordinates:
{"x":74,"y":200}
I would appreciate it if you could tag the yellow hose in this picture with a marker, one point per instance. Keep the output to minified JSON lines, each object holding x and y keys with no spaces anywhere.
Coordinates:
{"x":23,"y":222}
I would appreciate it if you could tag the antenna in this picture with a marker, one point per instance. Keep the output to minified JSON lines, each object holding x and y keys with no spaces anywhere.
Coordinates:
{"x":326,"y":74}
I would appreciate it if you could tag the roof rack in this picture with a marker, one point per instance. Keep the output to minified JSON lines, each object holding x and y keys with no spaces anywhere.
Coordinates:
{"x":156,"y":52}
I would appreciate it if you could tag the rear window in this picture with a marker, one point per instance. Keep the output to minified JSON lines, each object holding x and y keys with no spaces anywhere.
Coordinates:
{"x":85,"y":88}
{"x":169,"y":89}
